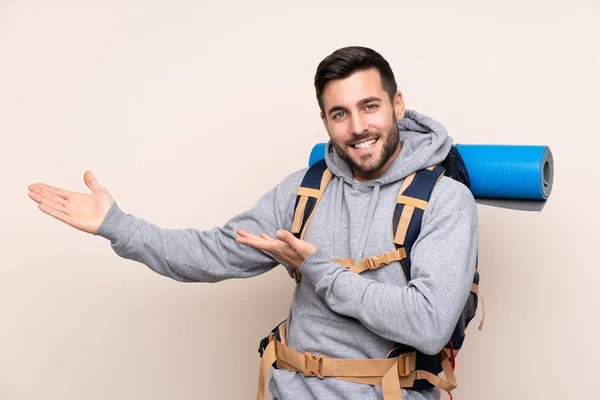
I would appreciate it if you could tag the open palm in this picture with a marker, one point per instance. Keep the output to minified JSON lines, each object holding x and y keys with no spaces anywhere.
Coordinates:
{"x":79,"y":210}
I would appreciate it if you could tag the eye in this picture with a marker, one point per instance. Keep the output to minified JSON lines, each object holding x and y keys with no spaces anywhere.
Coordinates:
{"x":339,"y":115}
{"x":370,"y":107}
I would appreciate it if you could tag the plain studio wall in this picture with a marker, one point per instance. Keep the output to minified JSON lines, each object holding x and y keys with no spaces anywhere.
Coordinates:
{"x":187,"y":112}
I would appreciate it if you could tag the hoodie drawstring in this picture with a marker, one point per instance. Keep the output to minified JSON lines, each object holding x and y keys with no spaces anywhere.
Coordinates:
{"x":360,"y":249}
{"x":337,"y":221}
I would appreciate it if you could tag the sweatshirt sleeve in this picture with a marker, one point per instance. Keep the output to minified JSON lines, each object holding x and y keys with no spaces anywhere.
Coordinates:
{"x":423,"y":313}
{"x":190,"y":255}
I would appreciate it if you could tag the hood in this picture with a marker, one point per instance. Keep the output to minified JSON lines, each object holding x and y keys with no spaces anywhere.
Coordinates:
{"x":424,"y":142}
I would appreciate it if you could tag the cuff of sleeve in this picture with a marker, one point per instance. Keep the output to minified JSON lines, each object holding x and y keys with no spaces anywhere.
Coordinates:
{"x":114,"y":225}
{"x":317,"y":266}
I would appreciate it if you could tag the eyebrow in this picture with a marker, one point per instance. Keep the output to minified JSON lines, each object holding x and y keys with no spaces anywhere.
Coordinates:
{"x":360,"y":103}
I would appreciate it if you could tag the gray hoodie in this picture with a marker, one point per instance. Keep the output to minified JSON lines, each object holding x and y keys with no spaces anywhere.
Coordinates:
{"x":337,"y":313}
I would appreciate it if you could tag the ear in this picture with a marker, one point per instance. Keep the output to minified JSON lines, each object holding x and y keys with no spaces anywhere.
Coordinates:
{"x":399,"y":105}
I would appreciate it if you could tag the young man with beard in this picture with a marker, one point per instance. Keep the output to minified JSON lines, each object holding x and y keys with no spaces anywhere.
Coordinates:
{"x":375,"y":144}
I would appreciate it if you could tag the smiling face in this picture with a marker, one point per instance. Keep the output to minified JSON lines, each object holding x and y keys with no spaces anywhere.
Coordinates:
{"x":361,"y":122}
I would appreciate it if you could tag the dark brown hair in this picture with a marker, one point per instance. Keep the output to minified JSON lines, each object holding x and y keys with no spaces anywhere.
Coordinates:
{"x":345,"y":61}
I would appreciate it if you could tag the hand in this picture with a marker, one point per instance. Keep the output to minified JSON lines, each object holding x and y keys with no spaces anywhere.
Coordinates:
{"x":82,"y":211}
{"x":287,"y":249}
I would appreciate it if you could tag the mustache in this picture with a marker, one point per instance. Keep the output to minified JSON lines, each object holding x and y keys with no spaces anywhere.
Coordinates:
{"x":361,"y":137}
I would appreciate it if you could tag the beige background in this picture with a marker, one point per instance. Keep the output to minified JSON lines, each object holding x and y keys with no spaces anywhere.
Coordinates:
{"x":188,"y":112}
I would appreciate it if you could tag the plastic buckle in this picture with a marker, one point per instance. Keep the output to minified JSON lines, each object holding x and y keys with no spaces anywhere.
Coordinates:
{"x":404,"y":364}
{"x":314,"y":365}
{"x":264,"y":343}
{"x":376,"y":262}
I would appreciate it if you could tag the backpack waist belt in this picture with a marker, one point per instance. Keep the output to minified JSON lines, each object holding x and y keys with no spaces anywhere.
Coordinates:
{"x":390,"y":373}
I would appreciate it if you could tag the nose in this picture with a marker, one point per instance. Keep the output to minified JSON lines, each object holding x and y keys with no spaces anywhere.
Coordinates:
{"x":358,"y":124}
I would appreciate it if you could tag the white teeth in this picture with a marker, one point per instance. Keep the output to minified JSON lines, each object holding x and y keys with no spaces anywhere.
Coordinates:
{"x":365,"y":145}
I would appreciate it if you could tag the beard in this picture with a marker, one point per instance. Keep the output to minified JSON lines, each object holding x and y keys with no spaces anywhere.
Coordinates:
{"x":371,"y":163}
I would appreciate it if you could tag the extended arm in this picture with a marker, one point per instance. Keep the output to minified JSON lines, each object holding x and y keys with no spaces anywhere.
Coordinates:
{"x":186,"y":254}
{"x":190,"y":255}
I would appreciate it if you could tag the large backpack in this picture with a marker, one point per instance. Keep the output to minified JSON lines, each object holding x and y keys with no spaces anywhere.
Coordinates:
{"x":411,"y":203}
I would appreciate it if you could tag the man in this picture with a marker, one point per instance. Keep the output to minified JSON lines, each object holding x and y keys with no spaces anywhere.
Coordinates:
{"x":375,"y":144}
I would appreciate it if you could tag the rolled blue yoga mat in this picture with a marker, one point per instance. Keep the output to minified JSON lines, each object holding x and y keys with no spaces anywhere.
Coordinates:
{"x":499,"y":171}
{"x":317,"y":153}
{"x":509,"y":171}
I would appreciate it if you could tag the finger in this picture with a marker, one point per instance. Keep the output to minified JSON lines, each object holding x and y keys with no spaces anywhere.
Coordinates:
{"x":41,"y":192}
{"x":257,"y":243}
{"x":288,"y":238}
{"x":91,"y":182}
{"x":47,"y":202}
{"x":265,"y":236}
{"x":65,"y":194}
{"x":246,"y":234}
{"x":302,"y":247}
{"x":56,"y":214}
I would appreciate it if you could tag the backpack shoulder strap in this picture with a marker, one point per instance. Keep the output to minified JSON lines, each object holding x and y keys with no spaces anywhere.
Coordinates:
{"x":309,"y":195}
{"x":411,"y":203}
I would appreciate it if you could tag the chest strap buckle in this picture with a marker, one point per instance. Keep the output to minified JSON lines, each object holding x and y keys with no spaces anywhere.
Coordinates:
{"x":377,"y":261}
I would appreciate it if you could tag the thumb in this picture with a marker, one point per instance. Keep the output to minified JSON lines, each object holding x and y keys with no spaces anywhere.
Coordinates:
{"x":288,"y":238}
{"x":301,"y":247}
{"x":91,"y":182}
